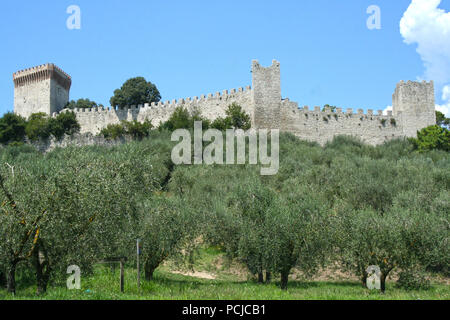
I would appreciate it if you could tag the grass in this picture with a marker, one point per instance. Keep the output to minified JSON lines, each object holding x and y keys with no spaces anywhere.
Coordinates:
{"x":104,"y":285}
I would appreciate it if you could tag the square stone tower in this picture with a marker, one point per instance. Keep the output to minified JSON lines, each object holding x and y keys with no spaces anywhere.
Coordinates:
{"x":43,"y":88}
{"x":414,"y":106}
{"x":266,"y":95}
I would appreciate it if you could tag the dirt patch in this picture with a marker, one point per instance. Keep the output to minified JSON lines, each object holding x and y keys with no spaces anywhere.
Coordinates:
{"x":197,"y":274}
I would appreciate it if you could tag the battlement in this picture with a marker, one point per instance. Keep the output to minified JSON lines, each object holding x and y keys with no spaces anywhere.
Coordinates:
{"x":415,"y":102}
{"x":348,"y":111}
{"x":173,"y":104}
{"x":40,"y":73}
{"x":45,"y":88}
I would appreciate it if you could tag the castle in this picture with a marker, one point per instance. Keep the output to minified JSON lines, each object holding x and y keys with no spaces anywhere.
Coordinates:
{"x":46,"y":89}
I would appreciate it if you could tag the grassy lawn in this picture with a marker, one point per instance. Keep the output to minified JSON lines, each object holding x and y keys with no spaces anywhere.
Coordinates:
{"x":104,"y":285}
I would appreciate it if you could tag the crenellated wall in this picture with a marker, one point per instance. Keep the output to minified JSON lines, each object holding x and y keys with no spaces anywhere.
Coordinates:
{"x":413,"y":107}
{"x":321,"y":126}
{"x":210,"y":106}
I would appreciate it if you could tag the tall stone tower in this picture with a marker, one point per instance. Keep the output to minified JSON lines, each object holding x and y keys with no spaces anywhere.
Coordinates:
{"x":413,"y":105}
{"x":43,"y":88}
{"x":266,"y":85}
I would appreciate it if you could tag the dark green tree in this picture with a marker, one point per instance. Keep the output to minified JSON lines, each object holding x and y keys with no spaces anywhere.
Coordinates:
{"x":64,"y":123}
{"x":431,"y":138}
{"x":135,"y":91}
{"x":12,"y":128}
{"x":236,"y":118}
{"x":442,"y":120}
{"x":82,"y":104}
{"x":181,"y":118}
{"x":37,"y":126}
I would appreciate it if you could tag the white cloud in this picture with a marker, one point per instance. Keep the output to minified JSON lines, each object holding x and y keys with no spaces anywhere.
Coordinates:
{"x":428,"y":26}
{"x":445,"y":108}
{"x":388,"y":108}
{"x":446,"y":93}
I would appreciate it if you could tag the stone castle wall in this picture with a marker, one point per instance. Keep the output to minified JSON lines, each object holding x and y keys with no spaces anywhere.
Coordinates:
{"x":413,"y":109}
{"x":321,"y":126}
{"x":210,"y":106}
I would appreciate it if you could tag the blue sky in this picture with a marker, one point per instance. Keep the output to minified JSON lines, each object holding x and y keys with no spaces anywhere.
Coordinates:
{"x":189,"y":48}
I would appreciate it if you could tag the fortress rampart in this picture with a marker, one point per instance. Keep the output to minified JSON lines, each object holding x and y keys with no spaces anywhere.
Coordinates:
{"x":413,"y":108}
{"x":210,"y":106}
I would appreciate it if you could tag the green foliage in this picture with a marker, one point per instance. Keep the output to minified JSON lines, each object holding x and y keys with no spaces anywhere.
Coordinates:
{"x":332,"y":108}
{"x":442,"y":120}
{"x":135,"y":129}
{"x":64,"y":123}
{"x":393,"y":122}
{"x":113,"y":131}
{"x":181,"y":118}
{"x":12,"y":128}
{"x":346,"y":205}
{"x":432,"y":138}
{"x":412,"y":281}
{"x":82,"y":104}
{"x":74,"y":205}
{"x":236,"y":118}
{"x":168,"y":226}
{"x":135,"y":91}
{"x":37,"y":126}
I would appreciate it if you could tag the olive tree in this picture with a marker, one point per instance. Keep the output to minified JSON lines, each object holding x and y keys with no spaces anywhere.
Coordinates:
{"x":167,"y":225}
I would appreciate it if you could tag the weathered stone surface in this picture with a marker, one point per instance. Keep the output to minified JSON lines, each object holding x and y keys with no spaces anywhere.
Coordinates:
{"x":43,"y":88}
{"x":46,"y":89}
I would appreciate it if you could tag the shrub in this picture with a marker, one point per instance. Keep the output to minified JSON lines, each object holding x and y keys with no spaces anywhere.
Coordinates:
{"x":412,"y":280}
{"x":12,"y":128}
{"x":181,"y":118}
{"x":64,"y":123}
{"x":82,"y":104}
{"x":393,"y":122}
{"x":37,"y":127}
{"x":137,"y":130}
{"x":236,"y":118}
{"x":432,"y":138}
{"x":222,"y":124}
{"x":113,"y":131}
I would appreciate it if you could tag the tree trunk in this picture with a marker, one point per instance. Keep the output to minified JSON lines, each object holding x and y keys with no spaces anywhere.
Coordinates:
{"x":382,"y":283}
{"x":364,"y":279}
{"x":41,"y":265}
{"x":260,"y":277}
{"x":2,"y":279}
{"x":284,"y":280}
{"x":268,"y":277}
{"x":41,"y":285}
{"x":41,"y":279}
{"x":148,"y":271}
{"x":11,"y":279}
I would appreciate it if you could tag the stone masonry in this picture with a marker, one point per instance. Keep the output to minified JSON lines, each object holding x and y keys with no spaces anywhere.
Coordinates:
{"x":43,"y":88}
{"x":46,"y":89}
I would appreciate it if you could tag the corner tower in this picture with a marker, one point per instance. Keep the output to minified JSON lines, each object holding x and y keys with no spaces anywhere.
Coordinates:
{"x":44,"y":88}
{"x":266,"y":95}
{"x":414,"y":106}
